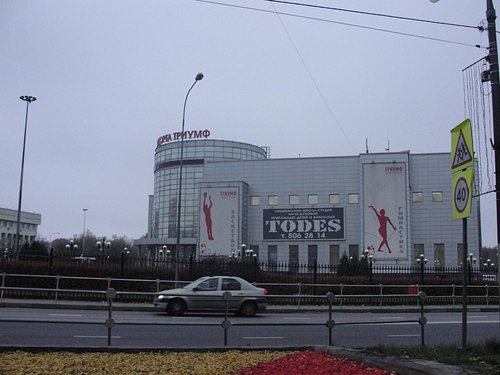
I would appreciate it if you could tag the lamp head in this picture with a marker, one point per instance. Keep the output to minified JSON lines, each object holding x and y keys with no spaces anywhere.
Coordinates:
{"x":29,"y":99}
{"x":199,"y":77}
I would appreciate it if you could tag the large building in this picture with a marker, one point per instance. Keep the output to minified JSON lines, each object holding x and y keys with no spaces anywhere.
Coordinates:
{"x":8,"y":228}
{"x":395,"y":205}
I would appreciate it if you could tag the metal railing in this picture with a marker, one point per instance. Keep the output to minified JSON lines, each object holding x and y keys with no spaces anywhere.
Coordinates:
{"x":139,"y":290}
{"x":329,"y":299}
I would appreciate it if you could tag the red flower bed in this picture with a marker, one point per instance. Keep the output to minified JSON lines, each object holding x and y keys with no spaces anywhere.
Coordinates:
{"x":312,"y":363}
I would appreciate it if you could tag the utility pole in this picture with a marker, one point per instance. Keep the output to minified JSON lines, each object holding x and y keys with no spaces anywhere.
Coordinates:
{"x":492,"y":76}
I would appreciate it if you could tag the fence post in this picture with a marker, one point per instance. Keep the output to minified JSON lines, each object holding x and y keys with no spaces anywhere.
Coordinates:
{"x":330,"y":323}
{"x":300,"y":298}
{"x":110,"y":322}
{"x":57,"y":285}
{"x":51,"y":260}
{"x":487,"y":296}
{"x":453,"y":294}
{"x":381,"y":293}
{"x":226,"y":323}
{"x":3,"y":284}
{"x":255,"y":264}
{"x":315,"y":276}
{"x":341,"y":294}
{"x":122,"y":265}
{"x":423,"y":320}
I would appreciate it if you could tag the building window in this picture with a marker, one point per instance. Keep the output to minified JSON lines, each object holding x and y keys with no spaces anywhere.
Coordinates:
{"x":418,"y":250}
{"x":312,"y":256}
{"x":437,"y":196}
{"x":353,"y":198}
{"x":272,"y":257}
{"x":334,"y":198}
{"x":334,"y":255}
{"x":272,"y":200}
{"x":418,"y":197}
{"x":439,"y":255}
{"x":313,"y":199}
{"x":293,"y":199}
{"x":353,"y":251}
{"x":255,"y":249}
{"x":254,"y":200}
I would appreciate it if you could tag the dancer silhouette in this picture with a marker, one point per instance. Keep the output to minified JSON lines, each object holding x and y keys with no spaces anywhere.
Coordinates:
{"x":207,"y":208}
{"x":382,"y":229}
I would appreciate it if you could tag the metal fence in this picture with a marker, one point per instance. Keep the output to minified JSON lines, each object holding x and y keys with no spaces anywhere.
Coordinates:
{"x":252,"y":269}
{"x":328,"y":300}
{"x":143,"y":290}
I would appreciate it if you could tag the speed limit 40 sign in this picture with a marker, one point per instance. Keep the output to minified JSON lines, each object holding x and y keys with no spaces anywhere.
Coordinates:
{"x":462,"y":194}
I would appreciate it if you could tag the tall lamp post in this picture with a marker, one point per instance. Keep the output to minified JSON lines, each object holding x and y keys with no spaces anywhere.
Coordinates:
{"x":28,"y":99}
{"x":421,"y":261}
{"x":84,"y":229}
{"x":198,"y":77}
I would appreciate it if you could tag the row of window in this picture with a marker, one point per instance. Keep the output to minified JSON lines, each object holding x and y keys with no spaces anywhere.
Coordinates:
{"x":273,"y":200}
{"x":352,"y":198}
{"x":418,"y":196}
{"x":13,"y":224}
{"x":354,"y":252}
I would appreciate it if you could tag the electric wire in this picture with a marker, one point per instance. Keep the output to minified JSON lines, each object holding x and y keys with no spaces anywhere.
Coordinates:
{"x":400,"y":33}
{"x":311,"y":77}
{"x":478,"y":110}
{"x":480,"y":28}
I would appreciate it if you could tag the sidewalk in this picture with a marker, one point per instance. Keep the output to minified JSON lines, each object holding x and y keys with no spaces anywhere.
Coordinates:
{"x":124,"y":306}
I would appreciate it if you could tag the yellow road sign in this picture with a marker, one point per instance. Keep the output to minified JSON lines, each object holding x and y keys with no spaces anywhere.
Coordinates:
{"x":462,"y":194}
{"x":462,"y":151}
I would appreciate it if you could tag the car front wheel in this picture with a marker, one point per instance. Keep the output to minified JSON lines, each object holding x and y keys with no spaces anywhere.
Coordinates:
{"x":248,"y":309}
{"x":176,"y":307}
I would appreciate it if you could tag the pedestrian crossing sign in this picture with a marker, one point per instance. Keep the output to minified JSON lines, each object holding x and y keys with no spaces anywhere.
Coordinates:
{"x":462,"y":152}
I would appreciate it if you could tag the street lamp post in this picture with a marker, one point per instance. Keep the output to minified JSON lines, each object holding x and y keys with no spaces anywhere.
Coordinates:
{"x":103,"y":245}
{"x":369,"y":259}
{"x":84,"y":229}
{"x":421,"y":261}
{"x":470,"y":261}
{"x":28,"y":99}
{"x":71,"y":246}
{"x":198,"y":77}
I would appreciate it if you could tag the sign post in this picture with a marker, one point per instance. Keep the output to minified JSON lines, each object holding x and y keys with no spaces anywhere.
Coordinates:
{"x":462,"y":170}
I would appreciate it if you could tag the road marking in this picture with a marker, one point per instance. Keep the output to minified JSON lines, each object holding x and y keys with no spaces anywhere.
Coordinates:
{"x":391,"y":317}
{"x":96,"y":337}
{"x":296,"y":318}
{"x":263,"y":338}
{"x":74,"y":315}
{"x":403,"y":335}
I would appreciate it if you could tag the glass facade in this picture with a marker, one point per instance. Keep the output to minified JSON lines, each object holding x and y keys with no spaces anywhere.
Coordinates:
{"x":166,"y":183}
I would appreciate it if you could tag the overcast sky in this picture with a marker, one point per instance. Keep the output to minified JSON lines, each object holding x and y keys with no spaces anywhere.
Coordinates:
{"x":111,"y":76}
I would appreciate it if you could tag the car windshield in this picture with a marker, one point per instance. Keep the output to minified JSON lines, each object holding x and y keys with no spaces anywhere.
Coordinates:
{"x":196,"y":282}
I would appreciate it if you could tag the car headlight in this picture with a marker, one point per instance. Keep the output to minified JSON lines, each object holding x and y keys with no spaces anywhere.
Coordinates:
{"x":161,"y":296}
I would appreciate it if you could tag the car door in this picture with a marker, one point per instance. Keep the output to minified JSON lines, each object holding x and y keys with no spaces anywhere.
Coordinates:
{"x":228,"y":284}
{"x":207,"y":295}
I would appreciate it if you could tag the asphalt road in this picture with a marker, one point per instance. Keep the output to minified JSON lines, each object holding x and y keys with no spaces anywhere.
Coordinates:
{"x":146,"y":329}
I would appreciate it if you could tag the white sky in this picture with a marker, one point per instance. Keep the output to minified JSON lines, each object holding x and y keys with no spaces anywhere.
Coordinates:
{"x":111,"y":76}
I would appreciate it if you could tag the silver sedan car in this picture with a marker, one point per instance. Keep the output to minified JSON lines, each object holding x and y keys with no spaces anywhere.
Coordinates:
{"x":206,"y":294}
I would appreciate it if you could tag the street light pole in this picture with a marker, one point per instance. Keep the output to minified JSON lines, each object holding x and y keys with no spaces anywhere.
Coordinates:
{"x":198,"y":77}
{"x":83,"y":238}
{"x":28,"y":99}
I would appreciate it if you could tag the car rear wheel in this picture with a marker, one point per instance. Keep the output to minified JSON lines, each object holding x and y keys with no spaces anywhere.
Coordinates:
{"x":248,"y":309}
{"x":176,"y":307}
